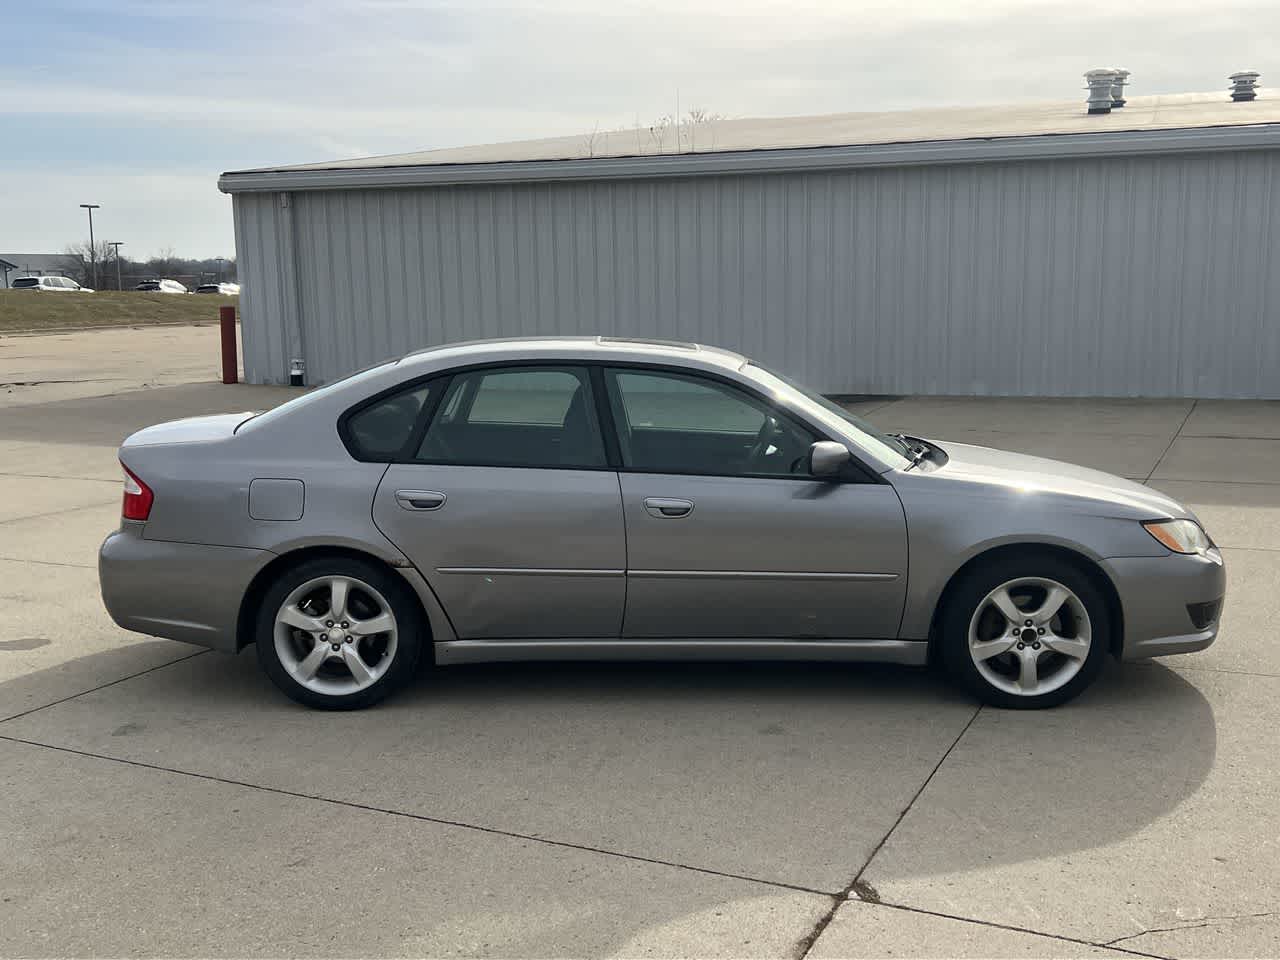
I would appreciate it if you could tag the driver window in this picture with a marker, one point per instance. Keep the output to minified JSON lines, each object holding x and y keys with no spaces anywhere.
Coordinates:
{"x":677,"y":423}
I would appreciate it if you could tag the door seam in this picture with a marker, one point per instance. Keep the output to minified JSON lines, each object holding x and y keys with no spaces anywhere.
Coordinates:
{"x":409,"y":561}
{"x":626,"y":557}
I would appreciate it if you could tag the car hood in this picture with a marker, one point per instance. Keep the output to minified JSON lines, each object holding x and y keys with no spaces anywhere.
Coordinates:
{"x":191,"y":430}
{"x":1110,"y":495}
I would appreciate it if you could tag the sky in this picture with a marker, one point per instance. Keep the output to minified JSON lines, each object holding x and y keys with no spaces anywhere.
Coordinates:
{"x":138,"y":105}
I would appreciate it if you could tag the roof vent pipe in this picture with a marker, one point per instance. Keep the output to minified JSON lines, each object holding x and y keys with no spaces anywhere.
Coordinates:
{"x":1100,"y":83}
{"x":1117,"y":88}
{"x":1244,"y":85}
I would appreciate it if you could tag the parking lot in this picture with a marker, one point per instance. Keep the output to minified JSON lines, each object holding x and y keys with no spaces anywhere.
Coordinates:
{"x":161,"y":800}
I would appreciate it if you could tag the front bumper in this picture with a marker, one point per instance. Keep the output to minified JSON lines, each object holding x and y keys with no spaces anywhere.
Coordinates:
{"x":1154,"y":595}
{"x":183,"y":591}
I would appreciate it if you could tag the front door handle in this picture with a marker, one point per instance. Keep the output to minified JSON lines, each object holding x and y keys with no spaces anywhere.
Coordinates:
{"x":420,"y":499}
{"x":667,"y":509}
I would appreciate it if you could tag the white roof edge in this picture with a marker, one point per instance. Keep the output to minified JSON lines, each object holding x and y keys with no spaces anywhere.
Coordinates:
{"x":977,"y":150}
{"x":582,"y":347}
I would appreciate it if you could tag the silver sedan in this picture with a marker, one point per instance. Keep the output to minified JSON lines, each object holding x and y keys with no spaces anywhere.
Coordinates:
{"x":606,"y":499}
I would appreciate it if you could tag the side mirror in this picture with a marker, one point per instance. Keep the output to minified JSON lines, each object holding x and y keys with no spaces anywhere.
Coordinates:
{"x":826,"y":458}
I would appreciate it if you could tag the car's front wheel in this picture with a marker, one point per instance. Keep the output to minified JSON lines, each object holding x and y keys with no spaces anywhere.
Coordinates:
{"x":1025,"y":633}
{"x":338,"y":633}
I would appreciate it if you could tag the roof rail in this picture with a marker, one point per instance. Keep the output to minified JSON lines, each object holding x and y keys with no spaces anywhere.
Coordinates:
{"x":649,"y":341}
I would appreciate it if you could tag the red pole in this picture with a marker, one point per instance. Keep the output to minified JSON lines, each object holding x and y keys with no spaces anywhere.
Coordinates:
{"x":230,"y":365}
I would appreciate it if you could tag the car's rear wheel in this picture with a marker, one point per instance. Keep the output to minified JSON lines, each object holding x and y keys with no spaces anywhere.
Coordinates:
{"x":338,"y":633}
{"x":1025,"y":633}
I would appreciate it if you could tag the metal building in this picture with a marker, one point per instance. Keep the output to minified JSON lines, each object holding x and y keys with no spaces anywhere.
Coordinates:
{"x":1032,"y":250}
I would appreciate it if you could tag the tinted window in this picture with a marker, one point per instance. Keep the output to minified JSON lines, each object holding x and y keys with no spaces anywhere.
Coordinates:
{"x":26,"y":282}
{"x":675,"y":423}
{"x":287,"y":408}
{"x":382,"y":430}
{"x":518,"y":417}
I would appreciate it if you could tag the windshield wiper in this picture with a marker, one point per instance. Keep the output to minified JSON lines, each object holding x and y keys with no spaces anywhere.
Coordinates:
{"x":916,"y":450}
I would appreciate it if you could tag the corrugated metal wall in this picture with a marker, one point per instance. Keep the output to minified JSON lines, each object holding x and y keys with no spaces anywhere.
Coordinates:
{"x":1144,"y":276}
{"x":266,"y":267}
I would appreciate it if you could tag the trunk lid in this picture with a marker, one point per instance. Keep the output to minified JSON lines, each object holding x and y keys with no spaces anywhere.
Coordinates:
{"x":190,"y":430}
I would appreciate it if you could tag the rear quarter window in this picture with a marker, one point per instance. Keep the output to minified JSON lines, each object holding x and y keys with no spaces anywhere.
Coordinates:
{"x":382,"y":430}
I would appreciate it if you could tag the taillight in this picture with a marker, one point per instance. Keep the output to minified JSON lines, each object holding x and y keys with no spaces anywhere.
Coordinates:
{"x":137,"y":497}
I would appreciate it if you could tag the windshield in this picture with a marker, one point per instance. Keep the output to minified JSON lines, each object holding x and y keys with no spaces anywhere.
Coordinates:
{"x":888,"y":449}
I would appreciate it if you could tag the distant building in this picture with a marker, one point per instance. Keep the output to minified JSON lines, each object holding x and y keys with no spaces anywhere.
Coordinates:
{"x":14,"y":265}
{"x":1031,"y":250}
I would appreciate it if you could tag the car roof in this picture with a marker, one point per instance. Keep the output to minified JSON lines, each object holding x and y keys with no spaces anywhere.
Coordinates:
{"x":580,"y":347}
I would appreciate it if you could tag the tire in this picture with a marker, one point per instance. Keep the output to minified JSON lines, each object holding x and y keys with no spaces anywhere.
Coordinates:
{"x":296,"y":609}
{"x":985,"y":649}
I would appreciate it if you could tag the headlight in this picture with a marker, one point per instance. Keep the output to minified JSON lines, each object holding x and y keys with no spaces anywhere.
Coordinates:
{"x":1180,"y":536}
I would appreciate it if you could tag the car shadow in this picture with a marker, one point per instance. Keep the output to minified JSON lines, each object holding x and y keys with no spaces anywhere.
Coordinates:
{"x":686,"y":758}
{"x":1030,"y":785}
{"x":1126,"y":753}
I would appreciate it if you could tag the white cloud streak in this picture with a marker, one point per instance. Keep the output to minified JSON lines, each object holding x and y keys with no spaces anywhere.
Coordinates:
{"x":334,"y":78}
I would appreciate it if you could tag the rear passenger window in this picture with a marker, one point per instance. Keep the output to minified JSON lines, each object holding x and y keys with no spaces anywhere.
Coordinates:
{"x":517,"y":417}
{"x":382,"y":430}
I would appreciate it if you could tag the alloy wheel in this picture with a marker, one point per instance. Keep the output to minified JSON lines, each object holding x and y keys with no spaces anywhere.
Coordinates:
{"x":1030,"y":636}
{"x":335,"y":635}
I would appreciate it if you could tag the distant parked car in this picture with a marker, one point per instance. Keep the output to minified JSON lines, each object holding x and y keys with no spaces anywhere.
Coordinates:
{"x":161,"y":286}
{"x":50,"y":285}
{"x":226,"y":289}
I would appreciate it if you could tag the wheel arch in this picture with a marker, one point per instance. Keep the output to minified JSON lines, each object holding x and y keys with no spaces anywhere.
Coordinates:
{"x":251,"y":602}
{"x":1086,"y":565}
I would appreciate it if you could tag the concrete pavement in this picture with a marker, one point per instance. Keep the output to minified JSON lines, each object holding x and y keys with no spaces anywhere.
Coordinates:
{"x":90,"y":363}
{"x":164,"y":801}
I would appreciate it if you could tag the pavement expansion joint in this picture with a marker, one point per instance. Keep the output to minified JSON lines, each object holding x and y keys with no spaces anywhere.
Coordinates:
{"x":101,"y":686}
{"x":1028,"y":930}
{"x":424,"y":818}
{"x":857,"y":887}
{"x":1172,"y":440}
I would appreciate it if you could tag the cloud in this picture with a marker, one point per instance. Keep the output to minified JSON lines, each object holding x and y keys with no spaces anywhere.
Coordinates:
{"x":310,"y":80}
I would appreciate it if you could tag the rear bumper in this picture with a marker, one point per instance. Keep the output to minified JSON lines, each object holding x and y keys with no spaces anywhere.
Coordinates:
{"x":182,"y":591}
{"x":1154,"y":595}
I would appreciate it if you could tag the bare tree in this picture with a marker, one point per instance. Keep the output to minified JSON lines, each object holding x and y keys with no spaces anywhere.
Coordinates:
{"x":74,"y":263}
{"x":590,"y":140}
{"x":658,"y":131}
{"x":695,"y":118}
{"x":77,"y":263}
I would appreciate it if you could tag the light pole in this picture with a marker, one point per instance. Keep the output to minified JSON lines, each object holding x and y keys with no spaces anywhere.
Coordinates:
{"x":93,"y":253}
{"x":115,"y":246}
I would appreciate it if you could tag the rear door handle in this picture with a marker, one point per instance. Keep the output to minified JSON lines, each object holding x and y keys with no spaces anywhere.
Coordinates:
{"x":666,"y":509}
{"x":420,"y":499}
